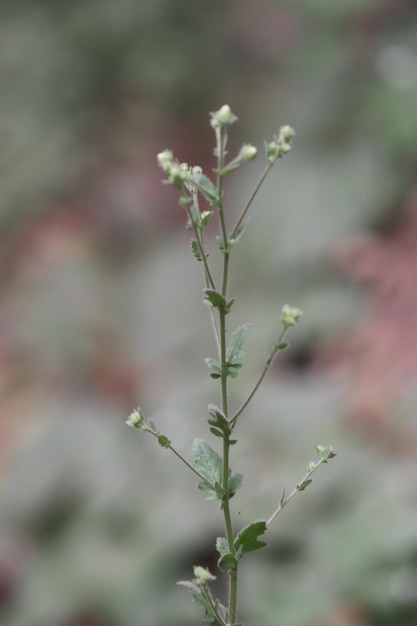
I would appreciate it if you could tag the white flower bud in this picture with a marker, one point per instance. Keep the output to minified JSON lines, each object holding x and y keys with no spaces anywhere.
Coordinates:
{"x":222,"y":117}
{"x":136,"y":419}
{"x":290,"y":315}
{"x":248,"y":152}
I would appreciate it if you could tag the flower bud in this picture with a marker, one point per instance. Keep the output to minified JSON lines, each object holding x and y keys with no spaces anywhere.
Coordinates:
{"x":222,"y":117}
{"x":247,"y":152}
{"x":280,"y":145}
{"x":178,"y":174}
{"x":136,"y":419}
{"x":202,"y":575}
{"x":165,"y":160}
{"x":286,"y":133}
{"x":290,"y":315}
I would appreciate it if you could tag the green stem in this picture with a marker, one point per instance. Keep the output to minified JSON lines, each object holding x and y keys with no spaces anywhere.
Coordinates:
{"x":251,"y":199}
{"x":184,"y":460}
{"x":221,"y":141}
{"x":200,"y":243}
{"x":267,"y":366}
{"x":208,"y":279}
{"x":213,"y":607}
{"x":284,"y":500}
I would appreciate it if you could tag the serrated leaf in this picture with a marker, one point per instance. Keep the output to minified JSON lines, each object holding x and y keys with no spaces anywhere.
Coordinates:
{"x":234,"y":350}
{"x":214,"y":367}
{"x":227,"y":562}
{"x":163,"y":441}
{"x":247,"y":539}
{"x":209,"y":491}
{"x":206,"y":461}
{"x":222,"y":545}
{"x":325,"y":453}
{"x":216,"y":432}
{"x":195,"y":216}
{"x":213,"y":493}
{"x":233,"y":370}
{"x":201,"y":597}
{"x":195,"y":247}
{"x":205,"y":217}
{"x":235,"y":483}
{"x":214,"y":298}
{"x":304,"y":484}
{"x":218,"y":421}
{"x":206,"y":188}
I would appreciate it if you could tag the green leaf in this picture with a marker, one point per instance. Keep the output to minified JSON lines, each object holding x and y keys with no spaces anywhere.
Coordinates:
{"x":304,"y":484}
{"x":283,"y":345}
{"x":153,"y":427}
{"x":235,"y":482}
{"x":219,"y":425}
{"x":239,"y":234}
{"x":214,"y":298}
{"x":206,"y":461}
{"x":222,"y":545}
{"x":227,"y":562}
{"x":206,"y":188}
{"x":233,"y":370}
{"x":216,"y":432}
{"x":229,"y":305}
{"x":234,"y":350}
{"x":205,"y":217}
{"x":214,"y":367}
{"x":213,"y":493}
{"x":195,"y":247}
{"x":220,"y":243}
{"x":325,"y":453}
{"x":229,"y":168}
{"x":202,"y":597}
{"x":247,"y":539}
{"x":194,"y":219}
{"x":163,"y":441}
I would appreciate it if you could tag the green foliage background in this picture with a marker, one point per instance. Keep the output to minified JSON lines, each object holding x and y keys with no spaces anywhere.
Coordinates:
{"x":101,"y":306}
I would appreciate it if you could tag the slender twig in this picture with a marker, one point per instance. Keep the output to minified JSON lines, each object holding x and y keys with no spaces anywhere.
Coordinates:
{"x":213,"y":607}
{"x":184,"y":460}
{"x":265,"y":370}
{"x":202,"y":251}
{"x":296,"y":489}
{"x":251,"y":199}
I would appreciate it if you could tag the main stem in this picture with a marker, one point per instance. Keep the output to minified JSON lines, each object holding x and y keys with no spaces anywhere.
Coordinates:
{"x":223,"y":380}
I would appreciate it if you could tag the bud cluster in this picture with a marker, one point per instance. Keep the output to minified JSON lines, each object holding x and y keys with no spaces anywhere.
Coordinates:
{"x":177,"y":173}
{"x":280,"y":145}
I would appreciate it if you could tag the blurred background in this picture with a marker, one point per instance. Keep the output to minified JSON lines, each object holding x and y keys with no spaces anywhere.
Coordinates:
{"x":101,"y":307}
